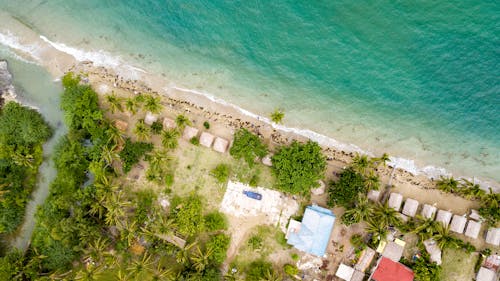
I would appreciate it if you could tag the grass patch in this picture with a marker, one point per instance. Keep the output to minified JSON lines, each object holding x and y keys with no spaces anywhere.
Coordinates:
{"x":458,"y":265}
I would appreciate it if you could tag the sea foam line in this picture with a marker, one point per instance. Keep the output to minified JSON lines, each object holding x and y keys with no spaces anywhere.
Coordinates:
{"x":11,"y":41}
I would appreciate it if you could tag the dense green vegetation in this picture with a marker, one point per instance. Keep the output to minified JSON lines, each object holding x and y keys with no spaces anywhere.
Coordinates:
{"x":22,"y":133}
{"x":298,"y":167}
{"x":247,"y":146}
{"x":132,"y":153}
{"x":345,"y":191}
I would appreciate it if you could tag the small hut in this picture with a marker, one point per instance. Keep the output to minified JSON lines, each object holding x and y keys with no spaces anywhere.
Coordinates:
{"x":121,"y":125}
{"x":434,"y":251}
{"x":485,"y":274}
{"x":458,"y":224}
{"x":374,"y":195}
{"x":344,"y":272}
{"x":168,"y":123}
{"x":444,"y":217}
{"x":267,"y":160}
{"x":320,"y":189}
{"x":474,"y":214}
{"x":428,"y":211}
{"x":410,"y":207}
{"x":220,"y":145}
{"x":493,"y":236}
{"x":365,"y":259}
{"x":150,"y":118}
{"x":189,"y":133}
{"x":395,"y":200}
{"x":394,"y":250}
{"x":206,"y":139}
{"x":473,"y":228}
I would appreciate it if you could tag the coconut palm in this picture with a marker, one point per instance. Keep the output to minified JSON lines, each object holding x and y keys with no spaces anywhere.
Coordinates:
{"x":361,"y":163}
{"x":122,"y":276}
{"x":447,"y":184}
{"x":426,"y":227}
{"x":386,"y":215}
{"x":141,"y":130}
{"x":362,"y":210}
{"x":115,"y":206}
{"x":4,"y":191}
{"x":115,"y":136}
{"x":201,"y":260}
{"x":372,"y":181}
{"x":277,"y":116}
{"x":96,"y":248}
{"x":23,"y":159}
{"x":131,"y":105}
{"x":378,"y":230}
{"x":128,"y":231}
{"x":98,"y":169}
{"x":169,"y":138}
{"x":471,"y":190}
{"x":152,"y":104}
{"x":114,"y":102}
{"x":383,"y":159}
{"x":183,"y":255}
{"x":109,"y":155}
{"x":443,"y":237}
{"x":182,"y":121}
{"x":272,"y":275}
{"x":89,"y":273}
{"x":140,"y":265}
{"x":160,"y":273}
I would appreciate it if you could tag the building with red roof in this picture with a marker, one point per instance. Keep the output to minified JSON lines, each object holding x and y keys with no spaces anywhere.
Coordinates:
{"x":388,"y":270}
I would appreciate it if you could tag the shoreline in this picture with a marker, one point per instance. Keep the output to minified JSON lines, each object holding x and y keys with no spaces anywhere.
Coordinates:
{"x":58,"y":58}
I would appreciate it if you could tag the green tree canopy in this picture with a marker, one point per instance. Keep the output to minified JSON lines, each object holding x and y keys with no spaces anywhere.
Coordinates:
{"x":247,"y":146}
{"x":187,"y":213}
{"x":344,"y":192}
{"x":298,"y":167}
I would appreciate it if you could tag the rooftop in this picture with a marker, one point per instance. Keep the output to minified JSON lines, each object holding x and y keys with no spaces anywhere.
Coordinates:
{"x":428,"y":211}
{"x":410,"y":208}
{"x":473,"y":229}
{"x":444,"y":217}
{"x":458,"y":224}
{"x":493,"y":236}
{"x":388,"y":270}
{"x":395,"y":201}
{"x":344,"y":272}
{"x":485,"y":274}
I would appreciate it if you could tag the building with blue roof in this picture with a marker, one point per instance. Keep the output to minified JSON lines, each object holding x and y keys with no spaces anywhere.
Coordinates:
{"x":312,"y":235}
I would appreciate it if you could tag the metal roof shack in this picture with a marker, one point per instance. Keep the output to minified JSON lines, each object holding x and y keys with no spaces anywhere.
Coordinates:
{"x":410,"y":207}
{"x":428,"y":211}
{"x":444,"y":217}
{"x":458,"y":224}
{"x":388,"y":270}
{"x":493,"y":236}
{"x":395,"y":201}
{"x":473,"y":228}
{"x":150,"y":118}
{"x":168,"y":123}
{"x":220,"y":145}
{"x":344,"y":272}
{"x":206,"y":139}
{"x":315,"y":230}
{"x":189,"y":133}
{"x":485,"y":274}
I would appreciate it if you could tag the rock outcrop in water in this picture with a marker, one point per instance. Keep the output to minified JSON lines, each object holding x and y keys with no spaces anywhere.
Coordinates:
{"x":7,"y":91}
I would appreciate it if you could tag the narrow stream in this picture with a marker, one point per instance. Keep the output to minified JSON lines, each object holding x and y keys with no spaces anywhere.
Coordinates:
{"x":35,"y":87}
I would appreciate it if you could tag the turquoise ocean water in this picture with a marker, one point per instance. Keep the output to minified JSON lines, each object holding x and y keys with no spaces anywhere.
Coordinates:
{"x":417,"y":80}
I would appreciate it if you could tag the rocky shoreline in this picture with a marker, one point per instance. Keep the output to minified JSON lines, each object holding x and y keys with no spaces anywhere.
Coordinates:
{"x":7,"y":90}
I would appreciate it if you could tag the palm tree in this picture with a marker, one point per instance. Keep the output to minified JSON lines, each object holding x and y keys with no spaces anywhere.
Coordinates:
{"x":152,"y":104}
{"x":169,"y":138}
{"x":443,"y":238}
{"x":361,"y":163}
{"x":377,"y":229}
{"x":182,"y":121}
{"x":272,"y":275}
{"x":114,"y":102}
{"x":109,"y":155}
{"x":183,"y":256}
{"x":362,"y":210}
{"x":140,"y":265}
{"x":277,"y":116}
{"x":89,"y":273}
{"x":161,"y":273}
{"x":128,"y":231}
{"x":4,"y":191}
{"x":426,"y":227}
{"x":115,"y":204}
{"x":115,"y":136}
{"x":471,"y":190}
{"x":201,"y":260}
{"x":122,"y":276}
{"x":96,"y":248}
{"x":372,"y":181}
{"x":98,"y":169}
{"x":21,"y":159}
{"x":386,"y":215}
{"x":141,"y":130}
{"x":447,"y":184}
{"x":132,"y":105}
{"x":383,"y":159}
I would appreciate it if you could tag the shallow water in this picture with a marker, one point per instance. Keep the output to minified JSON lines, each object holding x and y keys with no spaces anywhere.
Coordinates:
{"x":35,"y":87}
{"x":418,"y":80}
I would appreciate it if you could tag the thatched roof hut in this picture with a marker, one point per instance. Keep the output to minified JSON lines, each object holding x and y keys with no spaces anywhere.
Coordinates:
{"x":189,"y":133}
{"x":395,"y":200}
{"x":121,"y":125}
{"x":410,"y":207}
{"x":493,"y":236}
{"x":374,"y":195}
{"x":428,"y":211}
{"x":473,"y":228}
{"x":206,"y":139}
{"x":150,"y":118}
{"x":168,"y":123}
{"x":220,"y":145}
{"x":458,"y":224}
{"x":444,"y":217}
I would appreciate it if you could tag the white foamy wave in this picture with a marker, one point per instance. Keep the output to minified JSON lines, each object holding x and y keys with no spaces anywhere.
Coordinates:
{"x":408,"y":165}
{"x":12,"y":42}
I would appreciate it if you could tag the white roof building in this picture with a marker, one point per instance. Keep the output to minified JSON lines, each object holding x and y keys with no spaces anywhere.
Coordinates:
{"x":374,"y":195}
{"x":344,"y":272}
{"x":395,"y":201}
{"x":150,"y":118}
{"x":434,"y":251}
{"x":220,"y":145}
{"x":485,"y":274}
{"x":473,"y":228}
{"x":189,"y":133}
{"x":410,"y":207}
{"x":493,"y":236}
{"x":206,"y":139}
{"x":444,"y":217}
{"x":428,"y":211}
{"x":458,"y":224}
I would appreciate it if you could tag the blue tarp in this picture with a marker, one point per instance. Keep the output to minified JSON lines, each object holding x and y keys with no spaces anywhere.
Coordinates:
{"x":315,"y":231}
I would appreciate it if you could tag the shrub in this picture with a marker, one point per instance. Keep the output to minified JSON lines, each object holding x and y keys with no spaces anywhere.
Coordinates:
{"x":156,"y":127}
{"x":132,"y":153}
{"x":295,"y":257}
{"x":298,"y":167}
{"x":247,"y":146}
{"x":206,"y":125}
{"x":291,"y":270}
{"x":169,"y":180}
{"x":215,"y":221}
{"x":187,"y":213}
{"x":257,"y":270}
{"x":345,"y":191}
{"x":194,"y":141}
{"x":255,"y":242}
{"x":221,"y":173}
{"x":277,"y":116}
{"x":218,"y":244}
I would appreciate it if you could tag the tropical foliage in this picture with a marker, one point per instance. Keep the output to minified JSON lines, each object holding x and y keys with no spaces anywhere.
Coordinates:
{"x":344,"y":192}
{"x":298,"y":167}
{"x":277,"y":116}
{"x":247,"y":146}
{"x":132,"y":153}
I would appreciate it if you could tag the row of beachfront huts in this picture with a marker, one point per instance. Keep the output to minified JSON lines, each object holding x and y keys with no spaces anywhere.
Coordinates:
{"x":469,"y":225}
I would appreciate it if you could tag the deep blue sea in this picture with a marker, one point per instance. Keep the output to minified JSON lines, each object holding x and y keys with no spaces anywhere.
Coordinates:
{"x":416,"y":79}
